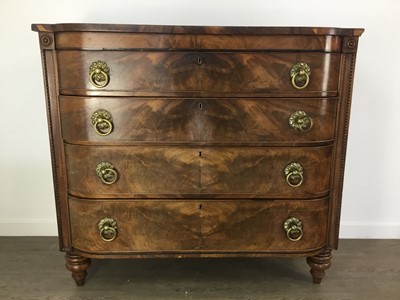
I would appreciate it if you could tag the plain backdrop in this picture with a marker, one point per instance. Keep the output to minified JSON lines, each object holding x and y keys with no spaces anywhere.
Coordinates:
{"x":371,"y":197}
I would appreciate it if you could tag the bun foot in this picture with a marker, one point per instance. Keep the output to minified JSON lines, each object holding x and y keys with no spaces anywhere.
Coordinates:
{"x":319,"y":263}
{"x":78,"y":265}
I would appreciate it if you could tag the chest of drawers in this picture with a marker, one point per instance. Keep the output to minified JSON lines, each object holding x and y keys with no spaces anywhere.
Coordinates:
{"x":171,"y":141}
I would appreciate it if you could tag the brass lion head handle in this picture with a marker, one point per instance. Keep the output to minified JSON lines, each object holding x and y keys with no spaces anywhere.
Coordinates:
{"x":293,"y":228}
{"x":299,"y":120}
{"x":107,"y":229}
{"x":106,"y":171}
{"x":102,"y":122}
{"x":294,"y":174}
{"x":300,"y":75}
{"x":99,"y":74}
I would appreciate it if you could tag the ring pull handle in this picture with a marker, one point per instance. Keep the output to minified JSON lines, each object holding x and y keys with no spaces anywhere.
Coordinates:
{"x":99,"y":74}
{"x":294,"y":174}
{"x":107,"y":229}
{"x":299,"y":120}
{"x":102,"y":122}
{"x":294,"y":229}
{"x":106,"y":171}
{"x":300,"y":75}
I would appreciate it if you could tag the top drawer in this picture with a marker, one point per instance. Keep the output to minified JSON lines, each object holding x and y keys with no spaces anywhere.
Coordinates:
{"x":175,"y":73}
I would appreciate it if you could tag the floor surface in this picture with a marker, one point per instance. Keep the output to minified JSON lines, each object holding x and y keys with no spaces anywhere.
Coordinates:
{"x":33,"y":268}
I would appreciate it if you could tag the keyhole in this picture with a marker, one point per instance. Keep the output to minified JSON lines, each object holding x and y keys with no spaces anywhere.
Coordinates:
{"x":199,"y":60}
{"x":200,"y":105}
{"x":199,"y":153}
{"x":200,"y":206}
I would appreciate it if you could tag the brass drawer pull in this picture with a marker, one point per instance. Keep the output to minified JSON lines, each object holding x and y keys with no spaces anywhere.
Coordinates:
{"x":300,"y":74}
{"x":294,"y":229}
{"x":99,"y":74}
{"x":294,"y":174}
{"x":299,"y":120}
{"x":106,"y":171}
{"x":102,"y":122}
{"x":107,"y":229}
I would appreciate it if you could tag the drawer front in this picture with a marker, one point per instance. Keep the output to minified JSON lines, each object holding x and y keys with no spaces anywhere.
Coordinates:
{"x":198,"y":120}
{"x":198,"y":41}
{"x":162,"y":171}
{"x":196,"y":226}
{"x":157,"y":73}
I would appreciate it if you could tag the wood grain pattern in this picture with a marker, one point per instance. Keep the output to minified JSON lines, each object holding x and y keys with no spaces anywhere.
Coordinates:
{"x":197,"y":226}
{"x":258,"y":172}
{"x":217,"y":121}
{"x":166,"y":171}
{"x":138,"y":41}
{"x":157,"y":73}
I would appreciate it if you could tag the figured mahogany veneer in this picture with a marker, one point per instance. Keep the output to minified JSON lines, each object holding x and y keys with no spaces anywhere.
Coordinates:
{"x":153,"y":73}
{"x":171,"y":171}
{"x":198,"y":227}
{"x":200,"y":120}
{"x":180,"y":141}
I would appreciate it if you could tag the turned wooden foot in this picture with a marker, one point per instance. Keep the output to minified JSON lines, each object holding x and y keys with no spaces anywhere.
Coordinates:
{"x":77,"y":265}
{"x":319,"y":263}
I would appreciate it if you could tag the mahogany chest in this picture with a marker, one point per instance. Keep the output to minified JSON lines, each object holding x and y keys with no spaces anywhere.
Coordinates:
{"x":180,"y":141}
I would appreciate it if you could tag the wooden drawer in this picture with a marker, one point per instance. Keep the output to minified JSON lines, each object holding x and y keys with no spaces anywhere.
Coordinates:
{"x":190,"y":172}
{"x":197,"y":73}
{"x":235,"y":120}
{"x":201,"y":41}
{"x":196,"y":226}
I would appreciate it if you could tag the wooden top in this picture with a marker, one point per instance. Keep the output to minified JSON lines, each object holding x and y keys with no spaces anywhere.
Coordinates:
{"x":197,"y":29}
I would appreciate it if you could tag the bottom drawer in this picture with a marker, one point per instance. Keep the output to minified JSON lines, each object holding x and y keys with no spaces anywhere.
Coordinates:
{"x":210,"y":226}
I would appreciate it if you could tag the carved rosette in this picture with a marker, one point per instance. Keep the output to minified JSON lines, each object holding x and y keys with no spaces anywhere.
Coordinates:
{"x":350,"y":44}
{"x":46,"y":40}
